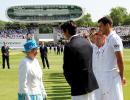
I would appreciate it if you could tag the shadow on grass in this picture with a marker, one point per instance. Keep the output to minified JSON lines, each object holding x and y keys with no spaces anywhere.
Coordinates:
{"x":58,"y":88}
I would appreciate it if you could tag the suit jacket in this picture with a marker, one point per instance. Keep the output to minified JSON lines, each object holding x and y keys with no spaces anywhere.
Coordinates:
{"x":43,"y":51}
{"x":77,"y":66}
{"x":5,"y":51}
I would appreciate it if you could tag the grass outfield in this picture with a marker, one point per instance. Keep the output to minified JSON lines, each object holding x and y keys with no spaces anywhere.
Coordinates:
{"x":55,"y":84}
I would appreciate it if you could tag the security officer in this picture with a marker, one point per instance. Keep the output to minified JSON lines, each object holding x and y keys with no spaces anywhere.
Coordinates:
{"x":5,"y":55}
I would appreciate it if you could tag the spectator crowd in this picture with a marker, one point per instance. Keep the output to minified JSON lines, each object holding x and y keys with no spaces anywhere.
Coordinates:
{"x":122,"y":31}
{"x":15,"y":33}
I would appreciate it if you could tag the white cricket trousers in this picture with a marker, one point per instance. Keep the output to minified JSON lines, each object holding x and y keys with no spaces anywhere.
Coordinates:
{"x":88,"y":96}
{"x":114,"y":93}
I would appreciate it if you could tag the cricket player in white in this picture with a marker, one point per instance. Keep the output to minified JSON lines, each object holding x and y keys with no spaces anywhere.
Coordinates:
{"x":108,"y":64}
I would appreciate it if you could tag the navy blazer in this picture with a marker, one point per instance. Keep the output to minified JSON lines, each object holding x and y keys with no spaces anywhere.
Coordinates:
{"x":5,"y":50}
{"x":43,"y":51}
{"x":77,"y":66}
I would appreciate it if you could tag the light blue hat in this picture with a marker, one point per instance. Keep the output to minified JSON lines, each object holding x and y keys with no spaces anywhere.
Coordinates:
{"x":29,"y":45}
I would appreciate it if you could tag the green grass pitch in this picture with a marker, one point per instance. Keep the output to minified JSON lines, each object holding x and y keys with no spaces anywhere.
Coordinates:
{"x":55,"y":84}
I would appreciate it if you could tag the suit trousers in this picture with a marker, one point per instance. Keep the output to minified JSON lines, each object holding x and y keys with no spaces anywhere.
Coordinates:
{"x":45,"y":60}
{"x":5,"y":58}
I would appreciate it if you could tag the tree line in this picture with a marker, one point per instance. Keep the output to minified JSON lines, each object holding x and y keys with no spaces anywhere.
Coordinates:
{"x":119,"y":15}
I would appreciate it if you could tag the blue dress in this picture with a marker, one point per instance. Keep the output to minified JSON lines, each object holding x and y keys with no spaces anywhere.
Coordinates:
{"x":32,"y":97}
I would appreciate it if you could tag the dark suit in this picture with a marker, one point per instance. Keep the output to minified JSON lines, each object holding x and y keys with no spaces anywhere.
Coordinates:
{"x":5,"y":56}
{"x":78,"y":66}
{"x":58,"y":50}
{"x":43,"y":52}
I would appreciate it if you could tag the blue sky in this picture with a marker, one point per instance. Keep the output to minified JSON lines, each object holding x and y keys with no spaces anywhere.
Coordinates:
{"x":97,"y":8}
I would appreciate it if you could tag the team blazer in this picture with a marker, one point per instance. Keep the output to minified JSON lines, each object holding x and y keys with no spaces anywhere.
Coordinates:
{"x":77,"y":66}
{"x":5,"y":50}
{"x":43,"y":51}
